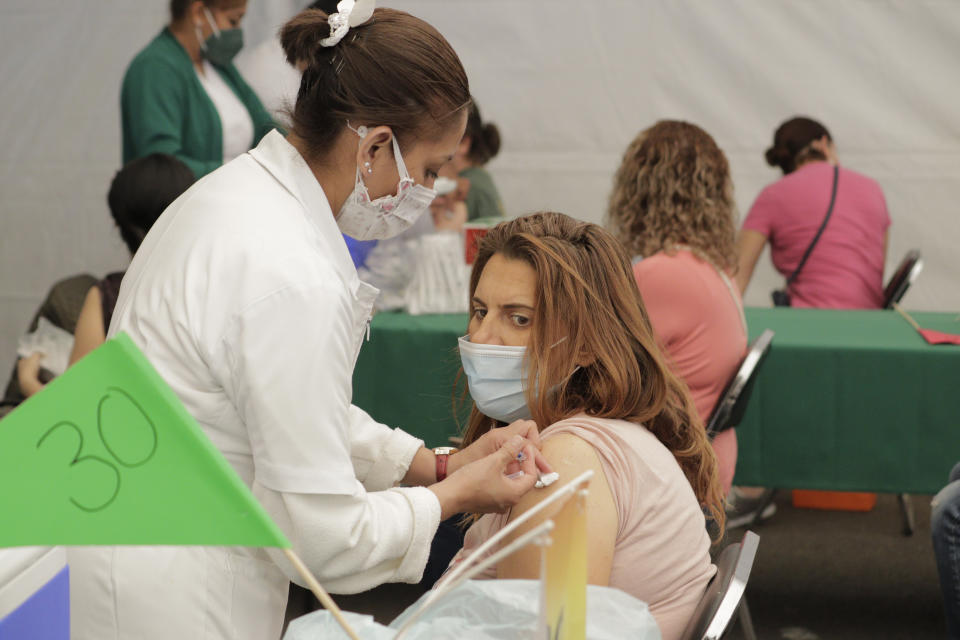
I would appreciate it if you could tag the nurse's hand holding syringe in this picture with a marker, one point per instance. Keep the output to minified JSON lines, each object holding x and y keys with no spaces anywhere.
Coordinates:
{"x":482,"y":478}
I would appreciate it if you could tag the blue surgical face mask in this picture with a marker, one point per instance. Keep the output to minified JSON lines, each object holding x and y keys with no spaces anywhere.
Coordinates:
{"x":496,"y":375}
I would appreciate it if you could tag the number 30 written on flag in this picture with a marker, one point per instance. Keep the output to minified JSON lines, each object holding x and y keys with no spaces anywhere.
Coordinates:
{"x":127,"y":433}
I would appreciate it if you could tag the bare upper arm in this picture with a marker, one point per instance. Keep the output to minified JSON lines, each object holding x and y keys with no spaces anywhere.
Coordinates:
{"x":569,"y":456}
{"x":750,"y":245}
{"x":89,"y":333}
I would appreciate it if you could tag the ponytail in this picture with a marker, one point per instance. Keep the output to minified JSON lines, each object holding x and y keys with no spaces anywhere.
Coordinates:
{"x":394,"y":70}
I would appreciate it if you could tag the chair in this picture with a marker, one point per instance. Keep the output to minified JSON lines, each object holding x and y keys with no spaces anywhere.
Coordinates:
{"x":724,"y":595}
{"x":733,"y":402}
{"x":908,"y":270}
{"x":728,"y":412}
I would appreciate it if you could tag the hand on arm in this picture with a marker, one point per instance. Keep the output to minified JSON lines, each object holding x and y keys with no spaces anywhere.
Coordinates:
{"x":422,"y":470}
{"x":749,"y":247}
{"x":485,"y":485}
{"x":570,"y":456}
{"x":28,"y":374}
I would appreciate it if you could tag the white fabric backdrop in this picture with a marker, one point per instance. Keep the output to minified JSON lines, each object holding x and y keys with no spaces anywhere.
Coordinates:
{"x":569,"y":84}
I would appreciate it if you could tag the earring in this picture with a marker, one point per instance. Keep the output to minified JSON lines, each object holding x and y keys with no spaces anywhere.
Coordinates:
{"x":369,"y":168}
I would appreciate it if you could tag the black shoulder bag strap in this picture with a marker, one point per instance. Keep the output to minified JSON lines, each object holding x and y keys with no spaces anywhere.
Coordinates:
{"x":823,"y":225}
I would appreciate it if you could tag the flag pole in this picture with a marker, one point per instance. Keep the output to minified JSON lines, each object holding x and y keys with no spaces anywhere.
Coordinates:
{"x":906,"y":316}
{"x":321,"y":593}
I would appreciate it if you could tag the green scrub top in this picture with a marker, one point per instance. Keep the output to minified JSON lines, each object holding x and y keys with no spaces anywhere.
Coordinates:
{"x":483,"y":199}
{"x":165,"y":109}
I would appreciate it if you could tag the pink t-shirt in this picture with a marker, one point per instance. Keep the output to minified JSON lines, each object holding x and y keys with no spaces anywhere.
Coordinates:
{"x":845,"y":270}
{"x":697,"y":319}
{"x":662,"y":550}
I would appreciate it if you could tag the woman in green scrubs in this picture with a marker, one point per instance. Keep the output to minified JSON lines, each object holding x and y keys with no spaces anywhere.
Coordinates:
{"x":182,"y":94}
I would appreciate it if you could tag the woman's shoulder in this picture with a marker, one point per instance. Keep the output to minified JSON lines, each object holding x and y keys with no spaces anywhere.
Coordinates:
{"x":671,"y":263}
{"x":641,"y":472}
{"x":680,"y":278}
{"x":588,"y":424}
{"x":629,"y":448}
{"x":860,"y":180}
{"x":163,"y":53}
{"x":476,"y":173}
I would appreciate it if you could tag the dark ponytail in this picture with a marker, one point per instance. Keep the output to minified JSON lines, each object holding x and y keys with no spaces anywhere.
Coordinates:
{"x":394,"y":70}
{"x":484,"y":137}
{"x":791,"y":144}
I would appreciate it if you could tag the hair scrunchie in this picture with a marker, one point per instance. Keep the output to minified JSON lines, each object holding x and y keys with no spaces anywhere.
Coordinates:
{"x":350,"y":13}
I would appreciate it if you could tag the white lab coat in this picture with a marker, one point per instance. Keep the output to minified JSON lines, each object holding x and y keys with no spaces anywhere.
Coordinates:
{"x":244,"y":298}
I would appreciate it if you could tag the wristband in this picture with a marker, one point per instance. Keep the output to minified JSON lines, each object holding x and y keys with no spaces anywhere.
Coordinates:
{"x":443,"y":454}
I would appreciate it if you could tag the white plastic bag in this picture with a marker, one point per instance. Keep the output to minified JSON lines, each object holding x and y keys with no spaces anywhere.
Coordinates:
{"x":321,"y":625}
{"x":390,"y":265}
{"x":492,"y":610}
{"x":441,"y":278}
{"x":53,"y":342}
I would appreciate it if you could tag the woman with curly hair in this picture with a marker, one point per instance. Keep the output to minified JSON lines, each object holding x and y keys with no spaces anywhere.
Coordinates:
{"x":672,"y":205}
{"x":558,"y":332}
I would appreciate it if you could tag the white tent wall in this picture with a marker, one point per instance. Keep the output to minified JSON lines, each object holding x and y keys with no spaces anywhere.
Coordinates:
{"x":568,"y":83}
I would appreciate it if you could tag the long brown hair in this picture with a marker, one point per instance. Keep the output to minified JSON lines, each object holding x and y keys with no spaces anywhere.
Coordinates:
{"x":673,"y":187}
{"x":394,"y":70}
{"x":588,"y":307}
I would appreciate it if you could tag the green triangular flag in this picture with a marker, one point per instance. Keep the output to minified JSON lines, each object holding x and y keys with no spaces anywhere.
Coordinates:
{"x":107,"y":454}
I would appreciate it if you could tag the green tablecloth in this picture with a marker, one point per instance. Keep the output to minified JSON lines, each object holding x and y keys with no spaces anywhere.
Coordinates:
{"x":852,"y":400}
{"x":847,"y":400}
{"x":406,"y":372}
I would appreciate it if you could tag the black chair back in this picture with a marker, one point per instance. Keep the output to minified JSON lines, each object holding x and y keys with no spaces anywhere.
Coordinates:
{"x":910,"y":267}
{"x":720,"y":602}
{"x":733,"y":402}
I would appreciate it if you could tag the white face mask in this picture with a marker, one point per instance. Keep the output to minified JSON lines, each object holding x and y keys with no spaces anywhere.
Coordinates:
{"x":365,"y":219}
{"x":497,"y":376}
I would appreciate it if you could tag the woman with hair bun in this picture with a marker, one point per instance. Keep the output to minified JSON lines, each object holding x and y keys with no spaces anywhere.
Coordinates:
{"x":480,"y":144}
{"x":845,"y":266}
{"x":244,"y":298}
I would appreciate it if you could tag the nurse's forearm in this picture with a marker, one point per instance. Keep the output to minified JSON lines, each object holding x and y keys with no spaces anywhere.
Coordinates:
{"x":423,"y":469}
{"x":449,"y":495}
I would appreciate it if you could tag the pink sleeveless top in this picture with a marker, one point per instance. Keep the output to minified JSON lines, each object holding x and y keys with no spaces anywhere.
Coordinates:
{"x":662,"y":550}
{"x":697,"y":316}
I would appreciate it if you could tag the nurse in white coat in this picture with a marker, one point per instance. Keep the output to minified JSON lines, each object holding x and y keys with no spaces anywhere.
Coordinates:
{"x":244,"y":298}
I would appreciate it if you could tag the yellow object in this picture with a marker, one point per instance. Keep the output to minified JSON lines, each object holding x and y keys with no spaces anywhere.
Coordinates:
{"x":565,"y":579}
